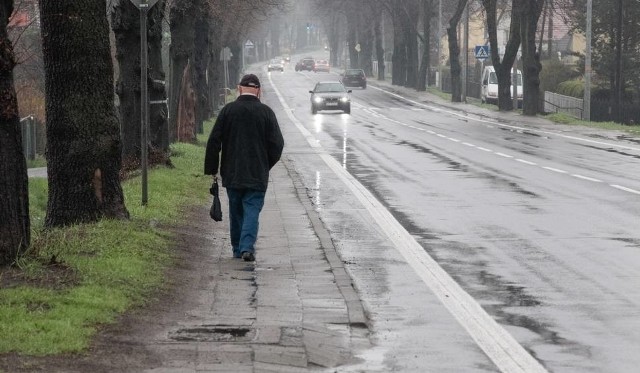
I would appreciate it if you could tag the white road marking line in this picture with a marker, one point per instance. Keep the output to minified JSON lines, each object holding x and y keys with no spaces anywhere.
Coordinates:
{"x":555,"y":170}
{"x":586,"y":178}
{"x":504,"y":155}
{"x":526,"y":162}
{"x":454,"y":140}
{"x":441,"y":135}
{"x":467,"y":144}
{"x":535,"y":130}
{"x":625,"y":189}
{"x":484,"y":149}
{"x":508,"y":355}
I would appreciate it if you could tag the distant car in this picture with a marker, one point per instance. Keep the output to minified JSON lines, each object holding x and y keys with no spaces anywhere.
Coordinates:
{"x":307,"y":63}
{"x":322,"y":65}
{"x":287,"y":58}
{"x":330,"y":96}
{"x":354,"y":78}
{"x":275,"y":64}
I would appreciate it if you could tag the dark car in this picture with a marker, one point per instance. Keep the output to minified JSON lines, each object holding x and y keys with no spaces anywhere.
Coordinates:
{"x":330,"y":96}
{"x":306,"y":63}
{"x":354,"y":78}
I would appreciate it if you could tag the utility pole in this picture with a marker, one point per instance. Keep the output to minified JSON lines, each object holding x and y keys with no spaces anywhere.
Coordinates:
{"x":439,"y":79}
{"x":586,"y":102}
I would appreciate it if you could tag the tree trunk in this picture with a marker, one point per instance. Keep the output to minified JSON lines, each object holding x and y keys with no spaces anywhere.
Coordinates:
{"x":200,"y":63}
{"x":619,"y":82}
{"x":83,"y":131}
{"x":352,"y":41}
{"x":411,"y":37}
{"x":158,"y":112}
{"x":125,"y":22}
{"x":377,"y":29}
{"x":366,"y":41}
{"x":215,"y":68}
{"x":503,"y":68}
{"x":399,"y":58}
{"x":427,"y":14}
{"x":15,"y":229}
{"x":275,"y":37}
{"x":333,"y":34}
{"x":530,"y":58}
{"x":181,"y":19}
{"x":186,"y":130}
{"x":454,"y":52}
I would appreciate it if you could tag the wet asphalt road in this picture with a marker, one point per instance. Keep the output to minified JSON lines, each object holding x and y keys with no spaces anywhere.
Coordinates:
{"x":540,"y":227}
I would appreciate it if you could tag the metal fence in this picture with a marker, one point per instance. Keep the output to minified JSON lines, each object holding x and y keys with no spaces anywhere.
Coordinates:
{"x":555,"y":103}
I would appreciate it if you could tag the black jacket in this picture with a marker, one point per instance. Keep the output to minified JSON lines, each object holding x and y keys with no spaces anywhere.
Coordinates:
{"x":248,"y":134}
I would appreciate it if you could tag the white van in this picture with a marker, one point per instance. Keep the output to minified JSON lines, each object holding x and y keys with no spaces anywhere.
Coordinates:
{"x":489,"y":89}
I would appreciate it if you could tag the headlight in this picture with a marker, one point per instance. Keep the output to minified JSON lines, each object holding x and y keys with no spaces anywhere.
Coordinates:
{"x":317,"y":99}
{"x":344,"y":99}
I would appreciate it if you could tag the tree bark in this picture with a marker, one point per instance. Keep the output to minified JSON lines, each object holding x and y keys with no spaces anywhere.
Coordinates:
{"x":503,"y":68}
{"x":399,"y":58}
{"x":158,"y":112}
{"x":366,"y":34}
{"x":83,"y":130}
{"x":182,"y":14}
{"x":411,"y":38}
{"x":352,"y":41}
{"x":427,"y":14}
{"x":377,"y":29}
{"x":531,"y":65}
{"x":125,"y":22}
{"x":15,"y":229}
{"x":454,"y":52}
{"x":199,"y":72}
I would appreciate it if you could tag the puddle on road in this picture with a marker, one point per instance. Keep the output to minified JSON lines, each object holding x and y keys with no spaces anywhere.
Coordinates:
{"x":213,"y":333}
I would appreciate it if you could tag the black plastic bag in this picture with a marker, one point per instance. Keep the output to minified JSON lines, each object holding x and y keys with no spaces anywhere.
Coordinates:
{"x":216,"y":210}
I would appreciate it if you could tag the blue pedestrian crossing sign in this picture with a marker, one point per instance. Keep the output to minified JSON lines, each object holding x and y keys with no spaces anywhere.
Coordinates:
{"x":482,"y":52}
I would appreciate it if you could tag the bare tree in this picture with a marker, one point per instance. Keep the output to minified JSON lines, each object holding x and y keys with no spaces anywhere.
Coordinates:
{"x":83,"y":130}
{"x":14,"y":193}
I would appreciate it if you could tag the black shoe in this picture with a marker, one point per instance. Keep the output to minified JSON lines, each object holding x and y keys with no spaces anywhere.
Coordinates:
{"x":248,"y":256}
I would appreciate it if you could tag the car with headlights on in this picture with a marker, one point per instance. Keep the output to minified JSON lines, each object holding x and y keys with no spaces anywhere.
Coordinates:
{"x":275,"y":64}
{"x":331,"y":95}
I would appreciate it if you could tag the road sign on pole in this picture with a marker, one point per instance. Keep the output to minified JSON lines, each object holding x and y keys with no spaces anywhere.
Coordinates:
{"x":482,"y":52}
{"x":144,"y":6}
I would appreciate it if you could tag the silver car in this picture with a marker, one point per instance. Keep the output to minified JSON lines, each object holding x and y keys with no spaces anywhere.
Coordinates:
{"x":275,"y":64}
{"x":330,"y":96}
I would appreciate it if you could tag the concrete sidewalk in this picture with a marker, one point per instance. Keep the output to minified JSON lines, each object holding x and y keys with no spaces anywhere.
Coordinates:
{"x":293,"y":310}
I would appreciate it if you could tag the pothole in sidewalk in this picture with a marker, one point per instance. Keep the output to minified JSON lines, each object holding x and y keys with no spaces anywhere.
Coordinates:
{"x":213,"y":333}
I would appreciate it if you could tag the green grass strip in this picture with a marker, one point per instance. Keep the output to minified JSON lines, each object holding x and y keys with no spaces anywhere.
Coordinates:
{"x":114,"y":265}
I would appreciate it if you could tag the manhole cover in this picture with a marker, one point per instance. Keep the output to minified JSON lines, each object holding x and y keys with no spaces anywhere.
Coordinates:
{"x":213,"y":333}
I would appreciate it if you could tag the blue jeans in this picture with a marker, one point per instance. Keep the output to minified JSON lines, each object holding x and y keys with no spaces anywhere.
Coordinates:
{"x":244,"y":209}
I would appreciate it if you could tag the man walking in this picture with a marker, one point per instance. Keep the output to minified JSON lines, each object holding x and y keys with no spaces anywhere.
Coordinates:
{"x":248,"y":134}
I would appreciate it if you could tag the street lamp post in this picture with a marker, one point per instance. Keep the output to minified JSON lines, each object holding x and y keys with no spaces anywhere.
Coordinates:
{"x":144,"y":6}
